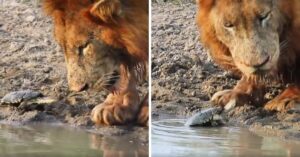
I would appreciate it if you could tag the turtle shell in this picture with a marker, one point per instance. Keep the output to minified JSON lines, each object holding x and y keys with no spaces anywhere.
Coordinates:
{"x":20,"y":96}
{"x":203,"y":117}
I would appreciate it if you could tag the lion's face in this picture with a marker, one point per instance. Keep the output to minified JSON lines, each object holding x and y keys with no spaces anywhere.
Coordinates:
{"x":90,"y":61}
{"x":249,"y":28}
{"x":91,"y":55}
{"x":98,"y":36}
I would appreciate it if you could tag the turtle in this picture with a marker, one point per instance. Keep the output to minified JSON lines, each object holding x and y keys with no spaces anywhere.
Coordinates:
{"x":207,"y":117}
{"x":25,"y":98}
{"x":211,"y":116}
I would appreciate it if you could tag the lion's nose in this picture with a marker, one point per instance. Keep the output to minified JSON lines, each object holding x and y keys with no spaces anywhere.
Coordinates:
{"x":79,"y":88}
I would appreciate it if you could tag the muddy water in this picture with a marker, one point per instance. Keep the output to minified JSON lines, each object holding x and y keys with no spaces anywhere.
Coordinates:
{"x":171,"y":137}
{"x":45,"y":141}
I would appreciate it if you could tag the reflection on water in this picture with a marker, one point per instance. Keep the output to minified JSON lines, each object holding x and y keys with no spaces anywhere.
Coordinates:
{"x":45,"y":141}
{"x":172,"y":138}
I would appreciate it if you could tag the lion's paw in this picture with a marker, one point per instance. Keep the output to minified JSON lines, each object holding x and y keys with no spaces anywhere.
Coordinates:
{"x":117,"y":109}
{"x":281,"y":104}
{"x":143,"y":116}
{"x":288,"y":99}
{"x":228,"y":99}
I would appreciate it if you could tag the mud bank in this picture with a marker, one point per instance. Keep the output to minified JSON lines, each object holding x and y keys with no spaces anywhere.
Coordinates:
{"x":184,"y":78}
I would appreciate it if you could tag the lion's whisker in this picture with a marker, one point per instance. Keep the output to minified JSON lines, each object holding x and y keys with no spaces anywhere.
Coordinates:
{"x":111,"y":77}
{"x":284,"y":44}
{"x":108,"y":74}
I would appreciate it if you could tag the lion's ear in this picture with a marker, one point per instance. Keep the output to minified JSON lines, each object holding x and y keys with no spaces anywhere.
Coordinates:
{"x":50,"y":6}
{"x":108,"y":11}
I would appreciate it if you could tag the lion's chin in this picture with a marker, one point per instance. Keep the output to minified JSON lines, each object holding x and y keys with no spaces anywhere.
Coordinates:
{"x":264,"y":74}
{"x":261,"y":72}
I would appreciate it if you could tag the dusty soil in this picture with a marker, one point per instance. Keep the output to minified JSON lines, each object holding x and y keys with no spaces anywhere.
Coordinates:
{"x":184,"y":78}
{"x":31,"y":59}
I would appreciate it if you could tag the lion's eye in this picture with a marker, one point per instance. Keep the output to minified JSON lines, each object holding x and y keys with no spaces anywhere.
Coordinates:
{"x":80,"y":50}
{"x":228,"y":25}
{"x":264,"y":17}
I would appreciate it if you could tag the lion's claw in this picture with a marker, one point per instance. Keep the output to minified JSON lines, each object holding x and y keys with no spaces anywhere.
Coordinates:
{"x":116,"y":109}
{"x":229,"y":99}
{"x":225,"y":98}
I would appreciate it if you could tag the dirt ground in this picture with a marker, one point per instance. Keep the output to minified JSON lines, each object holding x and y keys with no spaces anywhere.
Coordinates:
{"x":184,"y":78}
{"x":31,"y":59}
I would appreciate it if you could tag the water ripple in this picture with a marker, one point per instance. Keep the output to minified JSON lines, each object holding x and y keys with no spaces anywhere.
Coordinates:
{"x":171,"y":137}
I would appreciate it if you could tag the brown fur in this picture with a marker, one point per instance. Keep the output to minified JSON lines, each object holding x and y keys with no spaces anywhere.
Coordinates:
{"x":100,"y":37}
{"x":257,"y":40}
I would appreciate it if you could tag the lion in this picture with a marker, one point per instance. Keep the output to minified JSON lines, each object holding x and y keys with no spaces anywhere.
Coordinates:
{"x":101,"y":38}
{"x":257,"y":40}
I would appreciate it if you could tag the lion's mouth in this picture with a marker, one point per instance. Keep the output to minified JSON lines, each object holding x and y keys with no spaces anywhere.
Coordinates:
{"x":260,"y":68}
